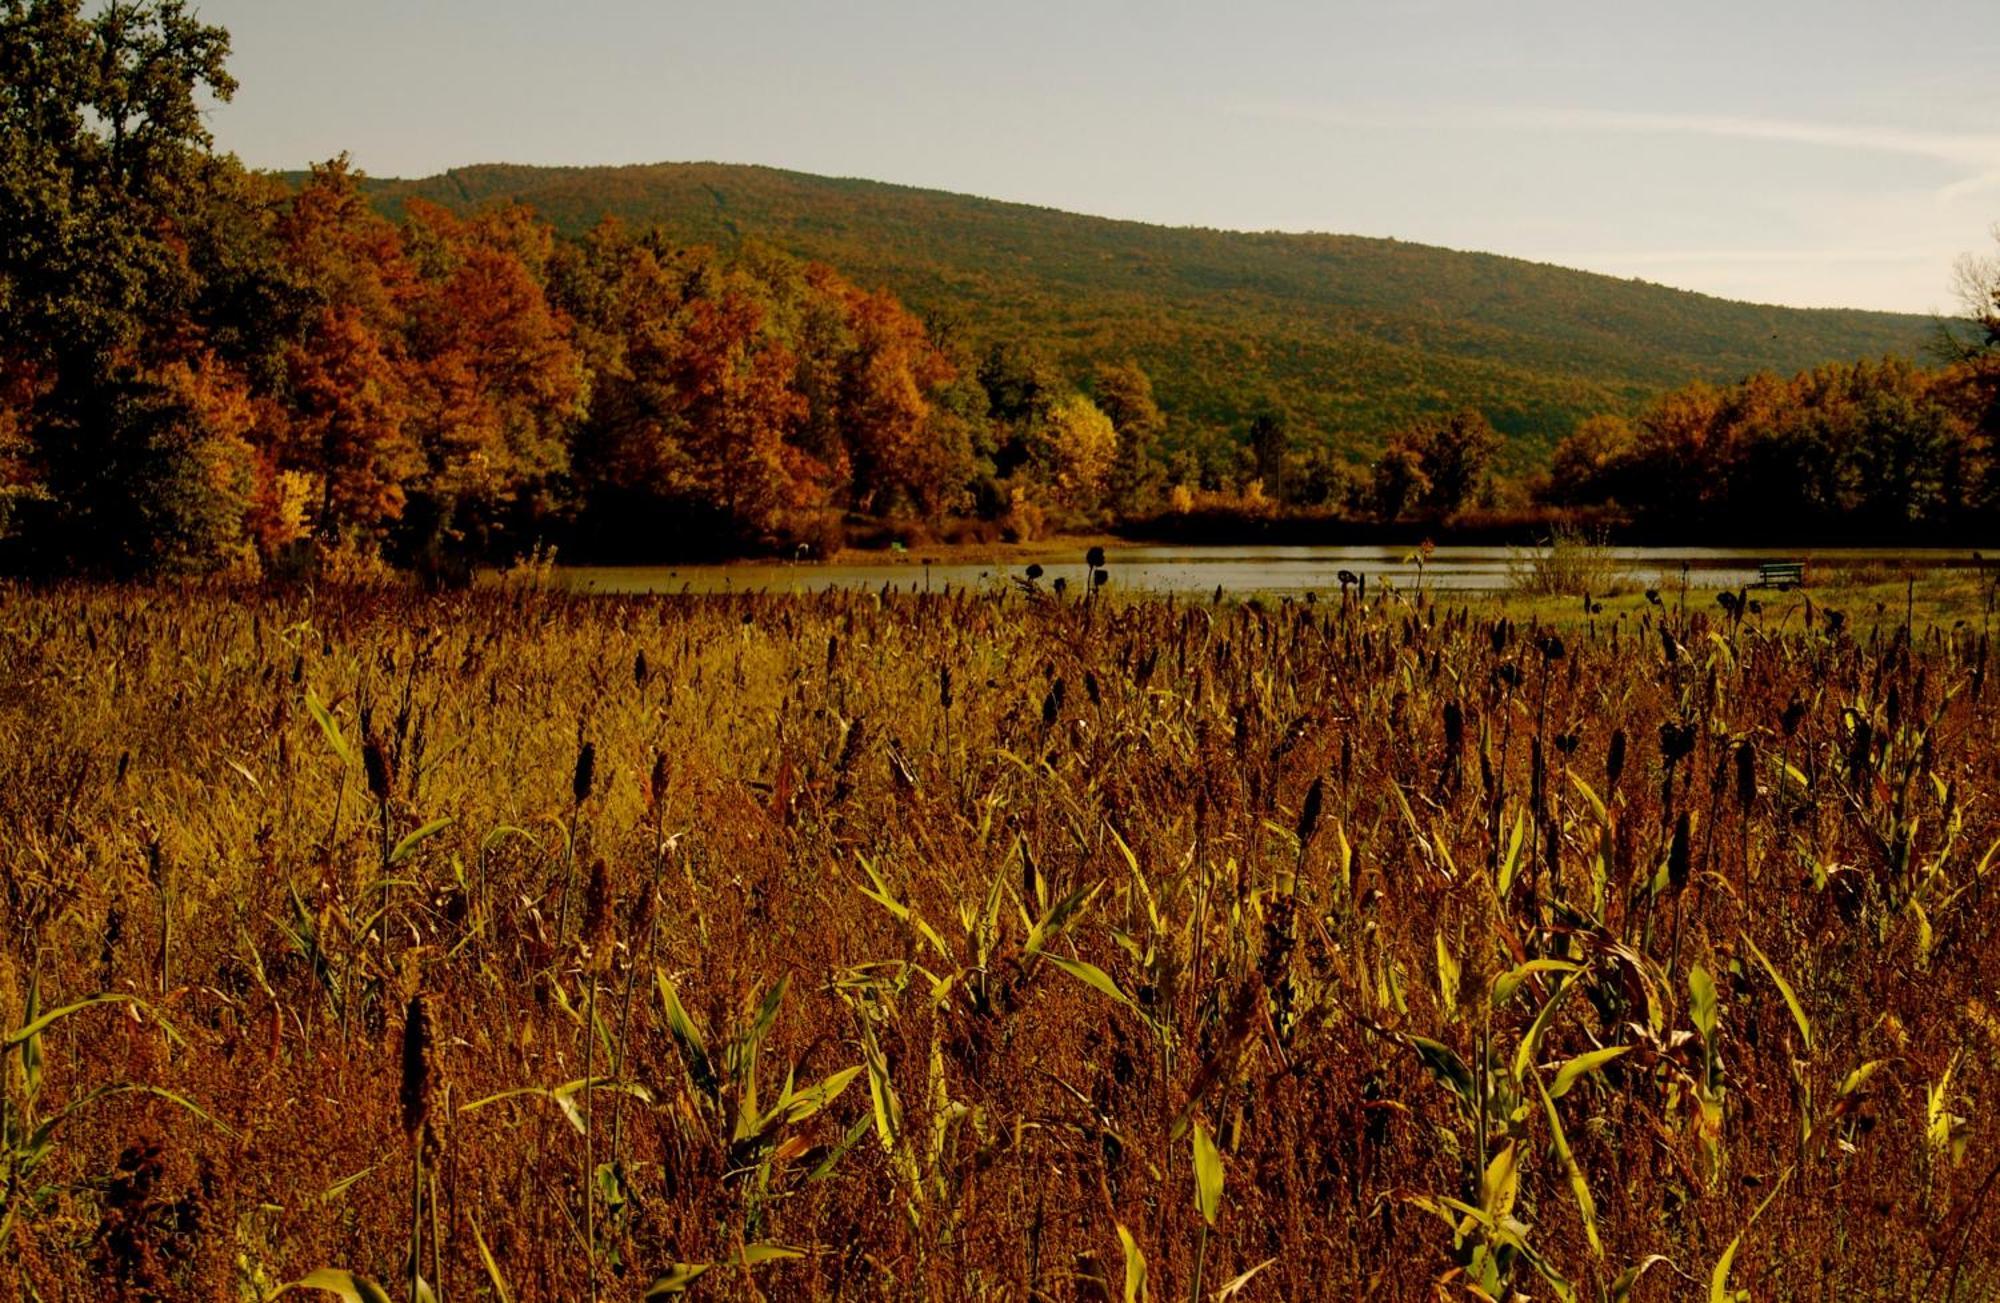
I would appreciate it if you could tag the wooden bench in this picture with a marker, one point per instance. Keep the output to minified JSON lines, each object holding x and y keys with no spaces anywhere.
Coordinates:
{"x":1781,"y":575}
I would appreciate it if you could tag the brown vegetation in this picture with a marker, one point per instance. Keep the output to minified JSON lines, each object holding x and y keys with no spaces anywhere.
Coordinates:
{"x":977,"y":945}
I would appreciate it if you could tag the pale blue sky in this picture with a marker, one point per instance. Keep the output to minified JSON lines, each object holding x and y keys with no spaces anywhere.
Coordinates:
{"x":1833,"y":152}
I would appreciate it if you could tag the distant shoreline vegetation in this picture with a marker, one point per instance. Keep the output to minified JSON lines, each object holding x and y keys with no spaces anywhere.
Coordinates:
{"x":204,"y":369}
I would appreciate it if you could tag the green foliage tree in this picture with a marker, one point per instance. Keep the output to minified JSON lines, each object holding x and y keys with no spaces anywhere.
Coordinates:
{"x":1399,"y":479}
{"x":102,"y":146}
{"x":106,"y":184}
{"x":1458,"y":452}
{"x":1319,"y":477}
{"x":1270,"y":443}
{"x":1075,"y":447}
{"x":1124,"y":393}
{"x":1441,"y":466}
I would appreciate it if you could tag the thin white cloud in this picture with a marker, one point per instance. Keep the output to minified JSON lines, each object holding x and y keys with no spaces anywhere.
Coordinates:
{"x":1758,"y":257}
{"x":1965,"y":148}
{"x":1866,"y":242}
{"x":1964,"y":188}
{"x":1977,"y":152}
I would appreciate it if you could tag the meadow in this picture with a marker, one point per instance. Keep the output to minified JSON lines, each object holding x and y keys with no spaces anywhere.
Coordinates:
{"x":517,"y":945}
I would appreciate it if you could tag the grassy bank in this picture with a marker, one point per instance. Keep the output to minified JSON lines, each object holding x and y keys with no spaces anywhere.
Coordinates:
{"x":964,"y":946}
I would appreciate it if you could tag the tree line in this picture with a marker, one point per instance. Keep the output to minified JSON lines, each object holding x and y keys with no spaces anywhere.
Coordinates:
{"x":204,"y":367}
{"x":201,"y":366}
{"x":1885,"y":450}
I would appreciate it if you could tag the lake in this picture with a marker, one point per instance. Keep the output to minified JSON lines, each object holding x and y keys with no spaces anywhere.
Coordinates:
{"x":1156,"y":568}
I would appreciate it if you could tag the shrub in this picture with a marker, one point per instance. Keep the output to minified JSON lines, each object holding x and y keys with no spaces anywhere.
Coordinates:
{"x":1570,"y":564}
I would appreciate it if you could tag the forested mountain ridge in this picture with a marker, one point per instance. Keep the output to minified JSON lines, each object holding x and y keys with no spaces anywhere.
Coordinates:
{"x":1356,"y":336}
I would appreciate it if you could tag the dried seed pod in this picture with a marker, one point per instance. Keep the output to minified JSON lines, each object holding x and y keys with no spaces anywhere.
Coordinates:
{"x":656,"y":781}
{"x":1795,"y":713}
{"x":1309,"y":813}
{"x":416,"y":1087}
{"x":586,"y":772}
{"x":376,"y":764}
{"x":1678,"y":864}
{"x":1861,"y":751}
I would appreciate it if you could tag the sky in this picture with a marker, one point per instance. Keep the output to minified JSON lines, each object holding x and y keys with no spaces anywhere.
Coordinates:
{"x":1830,"y":153}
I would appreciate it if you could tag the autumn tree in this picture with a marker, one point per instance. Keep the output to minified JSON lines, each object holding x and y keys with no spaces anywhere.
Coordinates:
{"x":690,"y":440}
{"x":1889,"y":449}
{"x":732,"y":407}
{"x":905,"y":447}
{"x":495,"y":383}
{"x":1585,"y":464}
{"x":344,"y":413}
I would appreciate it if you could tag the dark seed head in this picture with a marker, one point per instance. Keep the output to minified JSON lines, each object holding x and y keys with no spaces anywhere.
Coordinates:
{"x":1861,"y":752}
{"x":586,"y":772}
{"x":381,"y":773}
{"x":1795,"y":712}
{"x":1310,"y":811}
{"x":416,"y":1088}
{"x":1677,"y":854}
{"x":656,"y":781}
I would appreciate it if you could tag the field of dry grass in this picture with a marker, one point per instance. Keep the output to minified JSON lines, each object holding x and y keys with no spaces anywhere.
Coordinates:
{"x":514,"y":945}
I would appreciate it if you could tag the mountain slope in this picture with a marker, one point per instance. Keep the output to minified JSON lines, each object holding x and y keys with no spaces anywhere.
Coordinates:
{"x":1356,"y":335}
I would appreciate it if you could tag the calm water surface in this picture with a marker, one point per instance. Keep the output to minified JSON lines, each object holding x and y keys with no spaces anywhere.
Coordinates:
{"x":1248,"y":569}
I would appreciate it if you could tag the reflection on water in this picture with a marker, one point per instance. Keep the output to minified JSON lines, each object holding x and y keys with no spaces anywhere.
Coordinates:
{"x":1250,"y":569}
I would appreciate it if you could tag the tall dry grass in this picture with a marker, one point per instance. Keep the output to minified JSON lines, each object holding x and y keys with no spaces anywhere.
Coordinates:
{"x":966,"y":946}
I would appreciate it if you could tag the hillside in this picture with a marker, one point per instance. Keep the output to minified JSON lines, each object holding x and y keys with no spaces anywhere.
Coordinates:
{"x":1355,"y":335}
